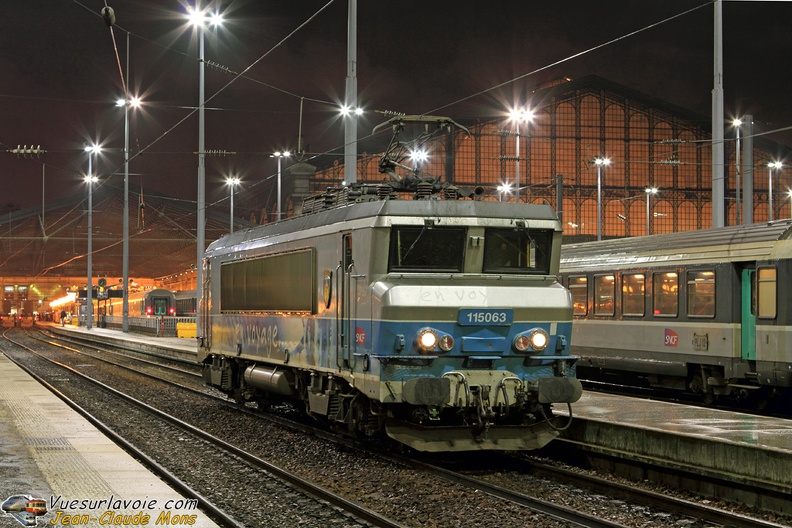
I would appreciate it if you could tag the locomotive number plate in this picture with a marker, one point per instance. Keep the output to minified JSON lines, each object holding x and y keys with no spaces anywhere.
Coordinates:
{"x":491,"y":316}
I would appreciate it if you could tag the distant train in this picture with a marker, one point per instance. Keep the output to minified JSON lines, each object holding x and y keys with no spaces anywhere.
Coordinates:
{"x":708,"y":311}
{"x":438,"y":321}
{"x":156,"y":302}
{"x":186,"y":303}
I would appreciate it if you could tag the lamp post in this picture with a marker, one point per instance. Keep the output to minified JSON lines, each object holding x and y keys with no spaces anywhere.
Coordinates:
{"x":600,"y":162}
{"x":770,"y":166}
{"x":279,"y":156}
{"x":90,"y":179}
{"x":197,"y":18}
{"x":518,"y":115}
{"x":737,"y":123}
{"x":649,"y":192}
{"x":789,"y":195}
{"x":232,"y":183}
{"x":127,"y":102}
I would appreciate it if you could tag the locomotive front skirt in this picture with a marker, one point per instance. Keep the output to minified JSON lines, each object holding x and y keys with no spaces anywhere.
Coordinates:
{"x":439,"y":322}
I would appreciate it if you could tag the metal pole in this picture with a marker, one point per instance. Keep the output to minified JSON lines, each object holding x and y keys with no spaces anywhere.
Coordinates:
{"x":89,"y":289}
{"x":43,"y":170}
{"x":517,"y":163}
{"x":125,"y":235}
{"x":231,"y":220}
{"x":770,"y":190}
{"x":279,"y":186}
{"x":560,"y":197}
{"x":747,"y":171}
{"x":737,"y":172}
{"x":717,"y":122}
{"x":599,"y":201}
{"x":201,"y":237}
{"x":350,"y":124}
{"x":648,"y":193}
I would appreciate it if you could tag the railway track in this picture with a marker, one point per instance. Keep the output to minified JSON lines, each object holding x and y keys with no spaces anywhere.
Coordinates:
{"x":515,"y":493}
{"x":200,"y":445}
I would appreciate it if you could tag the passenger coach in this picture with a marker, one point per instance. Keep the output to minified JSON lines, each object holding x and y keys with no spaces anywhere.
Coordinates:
{"x":705,"y":311}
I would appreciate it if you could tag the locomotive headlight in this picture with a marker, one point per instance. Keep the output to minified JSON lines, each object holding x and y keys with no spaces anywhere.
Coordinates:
{"x":537,"y":340}
{"x":427,"y":339}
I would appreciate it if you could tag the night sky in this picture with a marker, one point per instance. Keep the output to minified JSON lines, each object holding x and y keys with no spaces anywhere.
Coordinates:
{"x":59,"y":76}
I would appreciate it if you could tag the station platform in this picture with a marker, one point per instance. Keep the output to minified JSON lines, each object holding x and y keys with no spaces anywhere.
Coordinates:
{"x":743,"y":449}
{"x":179,"y":348}
{"x":50,"y":452}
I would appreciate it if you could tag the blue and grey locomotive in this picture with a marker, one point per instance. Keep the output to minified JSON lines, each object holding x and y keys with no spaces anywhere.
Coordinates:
{"x":438,"y":321}
{"x":701,"y":311}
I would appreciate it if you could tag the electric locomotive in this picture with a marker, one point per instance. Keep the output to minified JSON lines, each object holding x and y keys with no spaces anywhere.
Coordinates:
{"x":438,"y":321}
{"x":707,"y":312}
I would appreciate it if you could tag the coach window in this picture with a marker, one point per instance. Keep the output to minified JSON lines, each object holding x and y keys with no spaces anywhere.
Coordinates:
{"x":633,"y":294}
{"x":701,"y":293}
{"x":766,"y":298}
{"x":604,"y":292}
{"x":665,"y":293}
{"x":578,"y":287}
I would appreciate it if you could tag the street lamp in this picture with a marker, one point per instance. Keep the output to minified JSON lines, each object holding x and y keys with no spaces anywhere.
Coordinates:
{"x":518,"y":115}
{"x":770,"y":166}
{"x":232,"y":183}
{"x":737,"y":123}
{"x":503,"y":188}
{"x":90,"y":179}
{"x":600,"y":162}
{"x":418,"y":157}
{"x":126,"y":103}
{"x":649,"y":192}
{"x":280,"y":155}
{"x":198,"y":18}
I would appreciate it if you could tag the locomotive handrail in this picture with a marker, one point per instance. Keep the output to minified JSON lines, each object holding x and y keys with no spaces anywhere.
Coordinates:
{"x":502,"y":388}
{"x":464,"y":383}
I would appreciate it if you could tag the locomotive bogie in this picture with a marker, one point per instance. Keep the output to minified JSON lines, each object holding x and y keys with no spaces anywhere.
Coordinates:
{"x":398,"y":317}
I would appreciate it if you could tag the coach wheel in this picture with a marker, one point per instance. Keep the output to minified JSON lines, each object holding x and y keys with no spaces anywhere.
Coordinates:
{"x":696,"y":384}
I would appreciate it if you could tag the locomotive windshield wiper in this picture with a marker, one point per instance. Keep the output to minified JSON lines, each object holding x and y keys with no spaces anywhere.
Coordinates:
{"x":423,"y":230}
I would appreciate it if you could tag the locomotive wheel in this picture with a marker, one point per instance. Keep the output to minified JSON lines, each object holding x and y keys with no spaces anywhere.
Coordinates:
{"x":363,"y":422}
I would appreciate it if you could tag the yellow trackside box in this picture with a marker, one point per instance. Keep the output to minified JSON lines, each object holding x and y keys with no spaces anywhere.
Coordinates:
{"x":185,"y":330}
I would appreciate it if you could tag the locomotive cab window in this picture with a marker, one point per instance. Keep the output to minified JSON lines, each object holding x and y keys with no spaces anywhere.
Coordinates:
{"x":578,"y":287}
{"x":517,"y":250}
{"x":766,"y":293}
{"x":633,"y":294}
{"x":701,"y":293}
{"x":665,"y":293}
{"x":414,"y":248}
{"x":604,"y":294}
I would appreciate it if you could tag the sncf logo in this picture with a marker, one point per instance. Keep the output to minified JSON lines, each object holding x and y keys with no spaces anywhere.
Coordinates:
{"x":671,"y":338}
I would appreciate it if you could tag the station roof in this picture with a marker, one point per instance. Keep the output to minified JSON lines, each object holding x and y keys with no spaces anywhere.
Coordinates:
{"x":162,"y":236}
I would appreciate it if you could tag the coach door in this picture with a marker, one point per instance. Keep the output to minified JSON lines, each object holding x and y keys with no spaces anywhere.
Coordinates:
{"x":748,"y":325}
{"x":344,"y":306}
